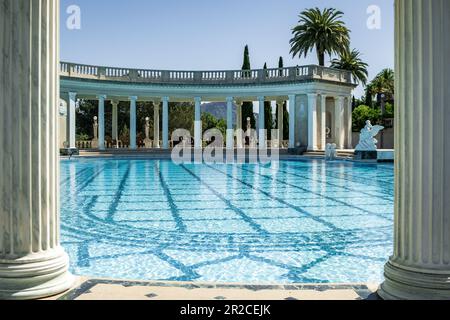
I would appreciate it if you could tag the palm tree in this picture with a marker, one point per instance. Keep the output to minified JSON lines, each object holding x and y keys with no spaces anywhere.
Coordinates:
{"x":321,"y":30}
{"x":384,"y":84}
{"x":351,"y":61}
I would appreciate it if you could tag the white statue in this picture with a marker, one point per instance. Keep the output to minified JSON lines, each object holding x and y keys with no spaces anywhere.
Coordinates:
{"x":367,"y":141}
{"x":147,"y":141}
{"x":331,"y":151}
{"x":94,"y":142}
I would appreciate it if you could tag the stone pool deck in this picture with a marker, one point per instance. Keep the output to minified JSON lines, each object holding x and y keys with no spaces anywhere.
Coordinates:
{"x":103,"y":289}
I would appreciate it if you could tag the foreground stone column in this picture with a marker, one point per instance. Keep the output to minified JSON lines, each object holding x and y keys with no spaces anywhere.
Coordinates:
{"x":292,"y":110}
{"x":156,"y":143}
{"x":198,"y":123}
{"x":133,"y":145}
{"x":262,"y":123}
{"x":312,"y":122}
{"x":420,"y":265}
{"x":230,"y":131}
{"x":32,"y":262}
{"x":165,"y":122}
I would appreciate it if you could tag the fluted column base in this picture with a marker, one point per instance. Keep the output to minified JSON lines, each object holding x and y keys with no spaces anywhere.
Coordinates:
{"x":35,"y":276}
{"x":403,"y":283}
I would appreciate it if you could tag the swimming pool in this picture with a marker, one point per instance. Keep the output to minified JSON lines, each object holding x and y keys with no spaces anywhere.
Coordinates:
{"x":297,"y":222}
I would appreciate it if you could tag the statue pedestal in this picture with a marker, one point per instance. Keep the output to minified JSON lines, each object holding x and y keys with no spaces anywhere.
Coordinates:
{"x":365,"y":155}
{"x":94,"y":144}
{"x":148,"y":143}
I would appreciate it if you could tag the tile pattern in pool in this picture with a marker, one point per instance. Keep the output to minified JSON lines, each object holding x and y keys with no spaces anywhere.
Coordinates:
{"x":292,"y":222}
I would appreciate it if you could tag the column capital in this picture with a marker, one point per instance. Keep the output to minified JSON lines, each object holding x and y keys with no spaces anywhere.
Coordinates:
{"x":101,"y":97}
{"x":115,"y":102}
{"x":281,"y":101}
{"x":165,"y":99}
{"x":72,"y":95}
{"x":292,"y":96}
{"x":312,"y":95}
{"x":133,"y":98}
{"x":230,"y":99}
{"x":198,"y":99}
{"x":261,"y":98}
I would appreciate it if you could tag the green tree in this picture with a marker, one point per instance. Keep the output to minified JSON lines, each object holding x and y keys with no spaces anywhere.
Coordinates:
{"x":363,"y":113}
{"x":211,"y":122}
{"x":323,"y":30}
{"x":247,"y":106}
{"x":384,"y":83}
{"x":351,"y":61}
{"x":285,"y":112}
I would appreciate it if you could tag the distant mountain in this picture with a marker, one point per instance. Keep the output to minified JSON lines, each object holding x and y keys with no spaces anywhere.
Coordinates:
{"x":218,"y":110}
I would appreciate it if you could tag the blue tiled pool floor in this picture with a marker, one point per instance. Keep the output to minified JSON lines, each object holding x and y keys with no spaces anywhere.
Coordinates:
{"x":294,"y":222}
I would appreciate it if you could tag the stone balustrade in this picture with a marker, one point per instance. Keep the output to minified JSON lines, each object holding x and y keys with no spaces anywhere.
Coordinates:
{"x":290,"y":74}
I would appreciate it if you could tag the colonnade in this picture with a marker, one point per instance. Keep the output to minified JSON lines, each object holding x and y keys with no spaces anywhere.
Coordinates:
{"x":316,"y":109}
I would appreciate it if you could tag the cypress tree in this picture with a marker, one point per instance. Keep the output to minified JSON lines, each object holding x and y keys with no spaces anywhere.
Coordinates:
{"x":285,"y":112}
{"x":268,"y":117}
{"x":247,"y":106}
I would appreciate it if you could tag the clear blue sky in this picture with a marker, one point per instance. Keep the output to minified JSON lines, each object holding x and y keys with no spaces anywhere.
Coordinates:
{"x":211,"y":34}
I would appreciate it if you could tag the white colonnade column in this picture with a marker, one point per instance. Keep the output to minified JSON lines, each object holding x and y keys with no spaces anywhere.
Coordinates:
{"x":230,"y":131}
{"x":165,"y":122}
{"x":312,"y":122}
{"x":292,"y":111}
{"x":239,"y":136}
{"x":323,"y":122}
{"x":133,"y":100}
{"x":101,"y":122}
{"x":349,"y":121}
{"x":280,"y":121}
{"x":198,"y":123}
{"x":156,"y":143}
{"x":115,"y":118}
{"x":420,"y":265}
{"x":32,"y":262}
{"x":72,"y":119}
{"x":262,"y":123}
{"x":339,"y":131}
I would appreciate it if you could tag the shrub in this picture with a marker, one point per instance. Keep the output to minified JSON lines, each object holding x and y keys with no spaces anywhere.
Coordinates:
{"x":363,"y":113}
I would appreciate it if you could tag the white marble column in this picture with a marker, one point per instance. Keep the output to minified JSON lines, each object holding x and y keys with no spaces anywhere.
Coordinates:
{"x":115,"y":118}
{"x":133,"y":100}
{"x":339,"y":130}
{"x":72,"y":119}
{"x":156,"y":139}
{"x":32,"y":262}
{"x":101,"y":122}
{"x":239,"y":136}
{"x":323,"y":122}
{"x":292,"y":111}
{"x":198,"y":123}
{"x":420,"y":265}
{"x":280,"y":121}
{"x":349,"y":123}
{"x":312,"y":122}
{"x":262,"y":123}
{"x":165,"y":122}
{"x":230,"y":131}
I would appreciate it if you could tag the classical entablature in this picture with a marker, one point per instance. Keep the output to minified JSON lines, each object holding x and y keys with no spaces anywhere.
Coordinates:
{"x":307,"y":89}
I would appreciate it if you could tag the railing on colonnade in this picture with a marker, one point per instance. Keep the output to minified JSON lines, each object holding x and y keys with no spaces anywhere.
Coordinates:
{"x":290,"y":74}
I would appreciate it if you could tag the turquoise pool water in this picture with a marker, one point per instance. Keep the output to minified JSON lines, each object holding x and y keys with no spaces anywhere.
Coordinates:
{"x":299,"y":222}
